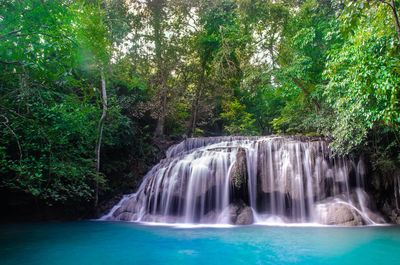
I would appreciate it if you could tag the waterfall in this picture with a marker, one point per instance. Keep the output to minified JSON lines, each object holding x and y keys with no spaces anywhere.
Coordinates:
{"x":244,"y":180}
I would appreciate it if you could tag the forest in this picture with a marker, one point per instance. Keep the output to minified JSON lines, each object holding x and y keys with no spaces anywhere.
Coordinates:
{"x":92,"y":92}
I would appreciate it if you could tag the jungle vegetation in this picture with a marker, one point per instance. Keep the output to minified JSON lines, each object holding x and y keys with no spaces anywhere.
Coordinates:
{"x":88,"y":89}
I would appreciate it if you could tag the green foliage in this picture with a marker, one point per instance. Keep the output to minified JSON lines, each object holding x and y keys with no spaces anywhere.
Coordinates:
{"x":49,"y":104}
{"x":298,"y":65}
{"x":239,"y":122}
{"x":176,"y":120}
{"x":93,"y":34}
{"x":364,"y":81}
{"x":261,"y":98}
{"x":56,"y":138}
{"x":321,"y":68}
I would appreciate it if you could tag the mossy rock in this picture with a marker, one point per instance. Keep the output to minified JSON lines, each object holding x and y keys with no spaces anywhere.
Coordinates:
{"x":239,"y":177}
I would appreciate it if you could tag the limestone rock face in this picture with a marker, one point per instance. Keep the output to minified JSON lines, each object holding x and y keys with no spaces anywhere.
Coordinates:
{"x":238,"y":177}
{"x":125,"y":216}
{"x":125,"y":212}
{"x":216,"y":180}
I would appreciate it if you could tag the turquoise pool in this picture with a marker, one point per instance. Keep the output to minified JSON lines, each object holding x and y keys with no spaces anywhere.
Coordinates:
{"x":120,"y":243}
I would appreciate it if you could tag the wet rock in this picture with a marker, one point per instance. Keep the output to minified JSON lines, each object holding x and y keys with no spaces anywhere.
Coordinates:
{"x":209,"y":218}
{"x":398,"y":220}
{"x":105,"y":206}
{"x":231,"y":213}
{"x":238,"y":176}
{"x":245,"y":216}
{"x":160,"y":219}
{"x":240,"y":214}
{"x":125,"y":216}
{"x":338,"y":213}
{"x":376,"y":218}
{"x":394,"y":216}
{"x":117,"y":212}
{"x":130,"y":206}
{"x":123,"y":210}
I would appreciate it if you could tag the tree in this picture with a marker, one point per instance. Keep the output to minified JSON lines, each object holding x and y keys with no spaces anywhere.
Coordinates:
{"x":219,"y":45}
{"x":158,"y":16}
{"x":239,"y":122}
{"x":41,"y":110}
{"x":355,"y":10}
{"x":95,"y":38}
{"x":48,"y":108}
{"x":363,"y":81}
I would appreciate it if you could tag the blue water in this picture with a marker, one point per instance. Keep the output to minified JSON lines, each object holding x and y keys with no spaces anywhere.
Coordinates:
{"x":127,"y":243}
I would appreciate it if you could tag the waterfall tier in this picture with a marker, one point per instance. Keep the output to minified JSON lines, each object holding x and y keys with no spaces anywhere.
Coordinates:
{"x":244,"y":180}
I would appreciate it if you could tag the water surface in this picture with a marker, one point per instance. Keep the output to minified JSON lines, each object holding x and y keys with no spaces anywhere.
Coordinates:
{"x":121,"y":243}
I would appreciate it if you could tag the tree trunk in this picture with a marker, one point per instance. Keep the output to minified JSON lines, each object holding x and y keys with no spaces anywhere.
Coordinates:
{"x":299,"y":84}
{"x":156,"y":7}
{"x":100,"y":132}
{"x":396,"y":18}
{"x":195,"y":105}
{"x":161,"y":119}
{"x":193,"y":117}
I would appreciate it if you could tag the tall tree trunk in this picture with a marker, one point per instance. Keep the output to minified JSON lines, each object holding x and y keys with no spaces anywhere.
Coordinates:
{"x":156,"y":7}
{"x":396,"y":18}
{"x":161,"y":119}
{"x":193,"y":117}
{"x":100,"y":132}
{"x":392,"y":5}
{"x":195,"y":105}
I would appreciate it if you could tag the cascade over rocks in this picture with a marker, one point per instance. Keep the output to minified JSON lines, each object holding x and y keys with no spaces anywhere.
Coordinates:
{"x":243,"y":180}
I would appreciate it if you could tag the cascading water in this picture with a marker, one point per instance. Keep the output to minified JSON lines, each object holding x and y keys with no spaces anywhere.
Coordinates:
{"x":243,"y":180}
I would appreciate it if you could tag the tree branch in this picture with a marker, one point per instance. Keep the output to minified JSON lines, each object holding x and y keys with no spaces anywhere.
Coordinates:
{"x":15,"y":135}
{"x":395,"y":16}
{"x":11,"y":63}
{"x":100,"y":131}
{"x":299,"y":84}
{"x":10,"y":33}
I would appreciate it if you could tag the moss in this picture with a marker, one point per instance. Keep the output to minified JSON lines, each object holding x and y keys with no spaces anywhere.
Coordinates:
{"x":238,"y":178}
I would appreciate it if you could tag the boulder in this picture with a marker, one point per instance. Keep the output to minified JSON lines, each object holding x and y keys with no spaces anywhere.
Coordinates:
{"x":238,"y":214}
{"x":338,"y":213}
{"x":245,"y":216}
{"x":233,"y":213}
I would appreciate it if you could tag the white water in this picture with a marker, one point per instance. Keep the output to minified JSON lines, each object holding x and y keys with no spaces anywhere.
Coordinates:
{"x":288,"y":181}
